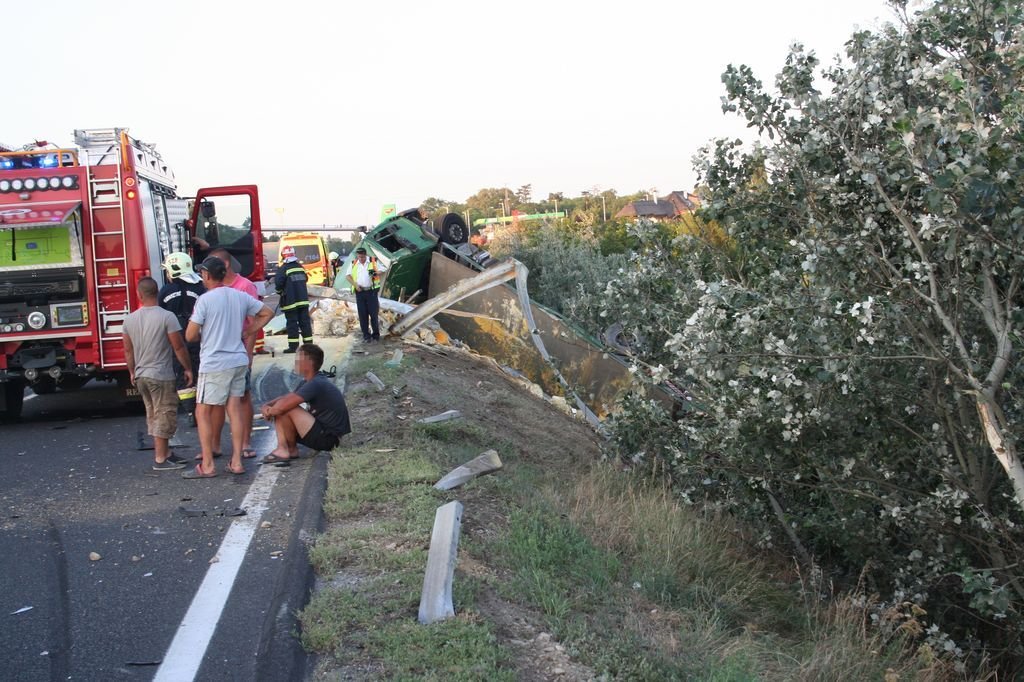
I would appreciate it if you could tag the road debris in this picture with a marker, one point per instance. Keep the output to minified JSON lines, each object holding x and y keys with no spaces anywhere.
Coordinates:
{"x":266,"y":524}
{"x":375,"y":380}
{"x":23,"y":609}
{"x":436,"y":598}
{"x":94,"y":556}
{"x":395,"y":360}
{"x":484,"y":464}
{"x":443,"y":417}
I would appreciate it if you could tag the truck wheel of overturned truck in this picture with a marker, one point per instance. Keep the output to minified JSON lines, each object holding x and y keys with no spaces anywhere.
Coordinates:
{"x":14,"y":398}
{"x":453,"y":229}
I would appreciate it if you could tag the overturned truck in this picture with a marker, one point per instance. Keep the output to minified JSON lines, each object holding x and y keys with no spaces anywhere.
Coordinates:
{"x":475,"y":299}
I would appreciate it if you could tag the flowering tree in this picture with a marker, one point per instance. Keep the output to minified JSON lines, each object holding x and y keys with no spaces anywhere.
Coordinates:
{"x":854,"y":357}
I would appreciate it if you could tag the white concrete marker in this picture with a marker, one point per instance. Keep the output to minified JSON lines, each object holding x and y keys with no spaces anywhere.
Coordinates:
{"x":436,"y":598}
{"x":188,"y":649}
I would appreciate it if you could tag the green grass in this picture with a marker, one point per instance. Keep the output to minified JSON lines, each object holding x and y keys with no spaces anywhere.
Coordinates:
{"x":633,"y":584}
{"x":460,"y":648}
{"x":357,"y":368}
{"x":378,"y":622}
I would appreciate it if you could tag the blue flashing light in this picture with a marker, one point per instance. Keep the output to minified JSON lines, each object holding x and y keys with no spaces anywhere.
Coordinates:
{"x":48,"y":161}
{"x":6,"y":164}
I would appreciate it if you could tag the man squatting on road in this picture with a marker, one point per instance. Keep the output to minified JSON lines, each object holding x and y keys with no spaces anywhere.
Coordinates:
{"x":322,"y":427}
{"x":152,"y":336}
{"x":217,"y":322}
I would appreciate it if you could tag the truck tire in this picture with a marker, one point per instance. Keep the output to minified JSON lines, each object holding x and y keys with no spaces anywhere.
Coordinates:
{"x":453,"y":229}
{"x":14,"y":398}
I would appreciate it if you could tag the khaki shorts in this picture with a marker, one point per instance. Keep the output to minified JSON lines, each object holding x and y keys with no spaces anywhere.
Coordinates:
{"x":161,"y":401}
{"x":216,"y":387}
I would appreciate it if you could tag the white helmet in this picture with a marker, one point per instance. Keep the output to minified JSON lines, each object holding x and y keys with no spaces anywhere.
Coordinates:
{"x":179,"y":266}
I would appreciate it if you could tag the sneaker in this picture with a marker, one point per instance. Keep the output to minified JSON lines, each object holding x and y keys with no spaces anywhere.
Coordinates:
{"x":192,"y":419}
{"x":170,"y":464}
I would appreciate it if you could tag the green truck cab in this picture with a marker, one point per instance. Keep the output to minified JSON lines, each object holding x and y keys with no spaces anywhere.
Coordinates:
{"x":403,"y":244}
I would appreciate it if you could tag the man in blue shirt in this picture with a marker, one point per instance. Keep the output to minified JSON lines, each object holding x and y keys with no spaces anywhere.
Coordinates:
{"x":218,"y":322}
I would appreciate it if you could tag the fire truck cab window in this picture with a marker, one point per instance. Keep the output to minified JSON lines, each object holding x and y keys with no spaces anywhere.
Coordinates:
{"x":227,"y":222}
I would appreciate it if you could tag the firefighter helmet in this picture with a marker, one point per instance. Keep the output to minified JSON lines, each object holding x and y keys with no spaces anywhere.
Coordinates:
{"x":179,"y":266}
{"x":287,"y":252}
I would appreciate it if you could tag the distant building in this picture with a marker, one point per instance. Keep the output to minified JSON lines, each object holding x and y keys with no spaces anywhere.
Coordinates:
{"x":669,"y":207}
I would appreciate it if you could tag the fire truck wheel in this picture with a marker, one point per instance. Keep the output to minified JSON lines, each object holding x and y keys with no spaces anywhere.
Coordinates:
{"x":14,"y":396}
{"x":44,"y":386}
{"x":453,"y":229}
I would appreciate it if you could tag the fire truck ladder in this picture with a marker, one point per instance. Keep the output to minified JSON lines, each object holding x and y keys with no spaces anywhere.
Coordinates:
{"x":105,"y":197}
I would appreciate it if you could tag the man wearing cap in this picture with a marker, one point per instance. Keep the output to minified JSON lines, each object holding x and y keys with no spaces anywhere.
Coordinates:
{"x":179,"y":296}
{"x":217,"y":322}
{"x":364,"y":276}
{"x":290,"y":283}
{"x":244,"y":284}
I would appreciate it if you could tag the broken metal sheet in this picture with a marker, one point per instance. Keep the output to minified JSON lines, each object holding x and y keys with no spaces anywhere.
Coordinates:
{"x":596,"y":375}
{"x":465,"y":288}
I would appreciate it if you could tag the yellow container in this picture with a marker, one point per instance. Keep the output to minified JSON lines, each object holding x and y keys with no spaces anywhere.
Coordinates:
{"x":187,"y":393}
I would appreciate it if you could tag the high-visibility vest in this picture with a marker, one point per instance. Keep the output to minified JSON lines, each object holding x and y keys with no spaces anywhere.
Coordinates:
{"x":371,"y":264}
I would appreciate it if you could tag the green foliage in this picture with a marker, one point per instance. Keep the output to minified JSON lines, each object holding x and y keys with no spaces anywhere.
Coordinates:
{"x":868,"y":310}
{"x":568,"y":272}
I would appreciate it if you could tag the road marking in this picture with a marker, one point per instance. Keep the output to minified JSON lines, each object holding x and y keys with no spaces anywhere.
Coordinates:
{"x":188,"y":649}
{"x":29,"y":397}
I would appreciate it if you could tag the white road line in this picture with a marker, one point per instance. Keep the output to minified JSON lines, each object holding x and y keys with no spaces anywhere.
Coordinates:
{"x":29,"y":397}
{"x":188,"y":649}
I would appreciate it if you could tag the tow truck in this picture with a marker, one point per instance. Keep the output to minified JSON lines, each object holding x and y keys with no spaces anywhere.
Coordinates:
{"x":79,"y":227}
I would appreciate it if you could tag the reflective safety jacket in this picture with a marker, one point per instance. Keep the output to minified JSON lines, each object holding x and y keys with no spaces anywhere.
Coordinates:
{"x":290,"y":284}
{"x":371,"y":264}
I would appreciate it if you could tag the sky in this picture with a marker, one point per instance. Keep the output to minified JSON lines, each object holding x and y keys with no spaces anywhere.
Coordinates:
{"x":334,"y":109}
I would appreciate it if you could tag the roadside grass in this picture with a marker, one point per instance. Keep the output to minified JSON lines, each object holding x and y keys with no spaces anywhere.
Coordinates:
{"x":592,"y":554}
{"x":634,"y":584}
{"x":372,"y":616}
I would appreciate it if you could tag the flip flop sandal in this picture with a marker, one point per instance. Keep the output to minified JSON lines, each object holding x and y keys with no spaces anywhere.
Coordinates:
{"x":198,"y":473}
{"x":199,"y":457}
{"x":229,"y":470}
{"x":248,"y":453}
{"x":274,"y":459}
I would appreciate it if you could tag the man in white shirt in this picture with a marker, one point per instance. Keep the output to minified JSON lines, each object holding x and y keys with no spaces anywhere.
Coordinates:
{"x":364,"y":277}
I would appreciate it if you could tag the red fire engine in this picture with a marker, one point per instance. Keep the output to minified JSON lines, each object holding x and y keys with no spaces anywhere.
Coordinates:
{"x":79,"y":227}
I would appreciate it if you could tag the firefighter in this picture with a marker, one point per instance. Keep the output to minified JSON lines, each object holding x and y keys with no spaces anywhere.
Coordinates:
{"x":335,"y":266}
{"x":365,"y":280}
{"x":290,"y":284}
{"x":179,"y":296}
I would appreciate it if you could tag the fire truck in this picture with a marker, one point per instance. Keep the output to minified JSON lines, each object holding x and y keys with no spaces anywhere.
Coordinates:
{"x":79,"y":227}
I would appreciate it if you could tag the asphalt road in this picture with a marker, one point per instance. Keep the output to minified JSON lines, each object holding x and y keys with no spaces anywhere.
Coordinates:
{"x":76,"y":482}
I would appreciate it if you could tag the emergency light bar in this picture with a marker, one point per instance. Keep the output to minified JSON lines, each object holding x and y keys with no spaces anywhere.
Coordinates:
{"x":39,"y":184}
